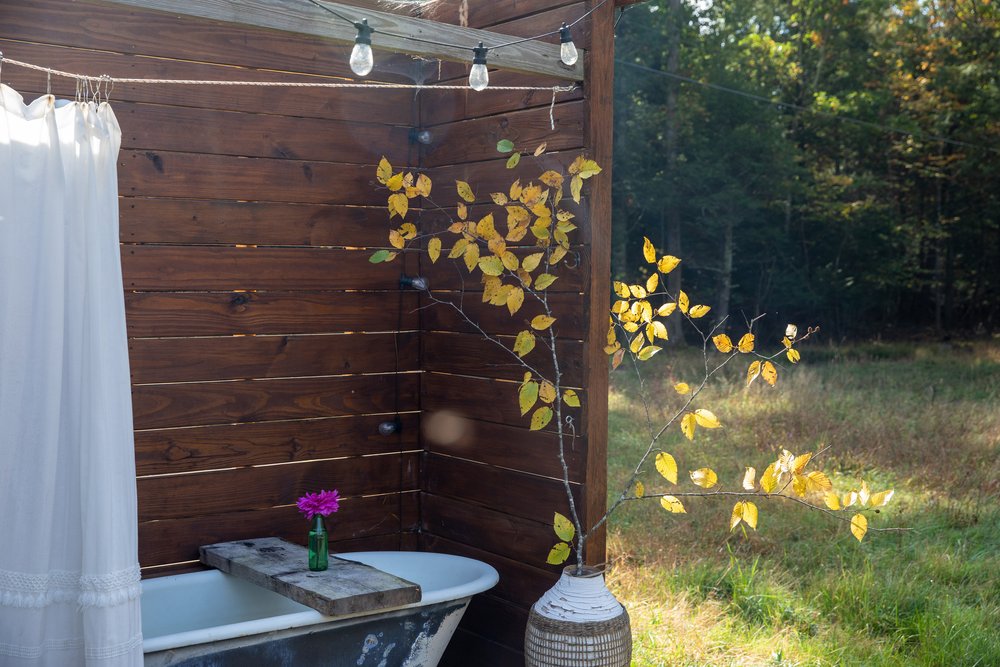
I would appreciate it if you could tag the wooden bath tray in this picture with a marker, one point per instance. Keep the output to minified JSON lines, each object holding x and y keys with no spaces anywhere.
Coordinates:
{"x":280,"y":566}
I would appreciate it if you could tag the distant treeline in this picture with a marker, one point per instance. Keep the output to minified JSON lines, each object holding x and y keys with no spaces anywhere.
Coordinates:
{"x":830,"y":162}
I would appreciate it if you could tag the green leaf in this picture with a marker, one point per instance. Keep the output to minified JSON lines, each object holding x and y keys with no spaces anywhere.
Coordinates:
{"x":505,"y":145}
{"x":571,"y":399}
{"x":558,"y":554}
{"x":513,"y":160}
{"x":541,"y":418}
{"x":491,"y":266}
{"x":527,"y":396}
{"x":647,"y":352}
{"x":524,"y":343}
{"x":381,"y":256}
{"x":564,"y":527}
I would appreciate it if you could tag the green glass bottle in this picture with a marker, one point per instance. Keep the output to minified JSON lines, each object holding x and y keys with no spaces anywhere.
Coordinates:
{"x":318,"y":545}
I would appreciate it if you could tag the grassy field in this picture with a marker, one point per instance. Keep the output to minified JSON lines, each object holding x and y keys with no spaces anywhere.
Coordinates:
{"x":923,"y":419}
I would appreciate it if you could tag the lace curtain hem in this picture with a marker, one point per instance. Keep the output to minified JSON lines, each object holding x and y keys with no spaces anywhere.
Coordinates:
{"x":25,"y":652}
{"x":21,"y":589}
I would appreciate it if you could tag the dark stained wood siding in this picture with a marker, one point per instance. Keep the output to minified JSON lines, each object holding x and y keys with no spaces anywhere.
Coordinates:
{"x":266,"y":349}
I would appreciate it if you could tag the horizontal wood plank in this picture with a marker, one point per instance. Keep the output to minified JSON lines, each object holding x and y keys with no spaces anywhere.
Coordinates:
{"x":566,"y":306}
{"x":158,"y":173}
{"x":378,"y":518}
{"x":200,"y":221}
{"x":448,"y":274}
{"x":205,"y":403}
{"x":223,"y":491}
{"x":490,"y":616}
{"x":235,"y":357}
{"x":468,"y":648}
{"x":344,"y":587}
{"x":471,"y":354}
{"x":156,"y":127}
{"x":518,"y":494}
{"x":486,"y":400}
{"x":177,"y":450}
{"x":224,"y":313}
{"x":182,"y":268}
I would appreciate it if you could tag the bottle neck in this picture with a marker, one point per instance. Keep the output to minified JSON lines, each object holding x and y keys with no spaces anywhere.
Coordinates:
{"x":318,"y":523}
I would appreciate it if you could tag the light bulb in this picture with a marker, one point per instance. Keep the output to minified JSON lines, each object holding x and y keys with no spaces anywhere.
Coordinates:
{"x":362,"y":60}
{"x":567,"y":49}
{"x":479,"y":76}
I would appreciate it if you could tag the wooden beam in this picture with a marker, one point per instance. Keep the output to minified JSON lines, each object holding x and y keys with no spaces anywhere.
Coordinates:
{"x":532,"y":57}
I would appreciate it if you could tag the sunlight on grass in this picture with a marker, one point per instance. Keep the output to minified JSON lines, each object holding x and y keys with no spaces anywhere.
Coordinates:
{"x":801,"y":591}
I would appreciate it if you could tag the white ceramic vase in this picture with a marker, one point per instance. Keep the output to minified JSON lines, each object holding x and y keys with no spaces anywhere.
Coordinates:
{"x":578,"y":623}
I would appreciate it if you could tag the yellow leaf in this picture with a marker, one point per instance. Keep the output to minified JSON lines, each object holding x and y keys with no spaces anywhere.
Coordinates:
{"x":832,"y":501}
{"x":491,"y":266}
{"x":563,"y":527}
{"x":541,"y":418}
{"x":863,"y":493}
{"x":396,"y":239}
{"x":723,"y":343}
{"x":648,"y":250}
{"x":646,"y":353}
{"x":699,"y":311}
{"x":636,"y":344}
{"x":706,"y":418}
{"x":491,"y":286}
{"x":553,"y":179}
{"x":769,"y":480}
{"x":793,"y":355}
{"x":464,"y":191}
{"x":859,"y":526}
{"x":587,"y":168}
{"x":800,"y":462}
{"x":769,"y":373}
{"x":545,"y":280}
{"x":672,"y":505}
{"x":799,"y":485}
{"x":485,"y":228}
{"x":682,"y":388}
{"x":666,"y":309}
{"x":499,"y":198}
{"x":575,"y":188}
{"x":818,"y":481}
{"x":398,"y":205}
{"x":638,"y":291}
{"x":542,"y":322}
{"x":524,"y":343}
{"x":737,"y":515}
{"x":640,"y":490}
{"x":527,"y":396}
{"x":667,"y":467}
{"x":667,"y":263}
{"x":621,"y":289}
{"x":459,"y":249}
{"x":682,"y":302}
{"x":463,"y":211}
{"x":547,"y":391}
{"x":704,"y":477}
{"x":434,"y":249}
{"x":752,"y":372}
{"x":424,"y":185}
{"x":384,"y":171}
{"x":558,"y":554}
{"x":881,"y":498}
{"x":652,"y":283}
{"x":688,"y":423}
{"x":557,"y":255}
{"x":408,"y":230}
{"x":540,"y":149}
{"x":787,"y":343}
{"x":471,"y":257}
{"x":748,"y":478}
{"x":746,"y":343}
{"x":515,"y":299}
{"x":531,"y":262}
{"x":515,"y":190}
{"x":395,"y":183}
{"x":658,"y":330}
{"x":750,"y":514}
{"x":849,"y":499}
{"x":571,"y":398}
{"x":456,"y":227}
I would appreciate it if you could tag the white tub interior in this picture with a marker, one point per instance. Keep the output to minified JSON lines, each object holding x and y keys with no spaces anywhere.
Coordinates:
{"x":200,"y":607}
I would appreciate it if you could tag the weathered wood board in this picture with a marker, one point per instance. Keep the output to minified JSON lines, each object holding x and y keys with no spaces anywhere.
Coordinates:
{"x":280,"y":566}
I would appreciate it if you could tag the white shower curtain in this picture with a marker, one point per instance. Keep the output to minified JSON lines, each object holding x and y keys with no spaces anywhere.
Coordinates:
{"x":69,"y":574}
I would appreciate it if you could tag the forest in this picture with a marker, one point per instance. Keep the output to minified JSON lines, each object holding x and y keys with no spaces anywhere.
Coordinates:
{"x":834,"y":163}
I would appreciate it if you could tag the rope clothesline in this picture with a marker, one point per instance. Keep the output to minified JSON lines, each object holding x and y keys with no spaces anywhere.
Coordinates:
{"x":97,"y":86}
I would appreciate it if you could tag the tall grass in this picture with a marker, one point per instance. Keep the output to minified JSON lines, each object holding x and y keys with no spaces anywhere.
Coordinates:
{"x":924,"y":420}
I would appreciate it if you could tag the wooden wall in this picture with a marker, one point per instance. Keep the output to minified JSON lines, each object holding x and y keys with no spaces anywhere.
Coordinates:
{"x":265,"y":349}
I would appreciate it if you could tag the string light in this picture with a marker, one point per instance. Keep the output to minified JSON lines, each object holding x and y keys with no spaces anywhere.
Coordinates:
{"x":361,"y":55}
{"x":479,"y":76}
{"x":567,"y":49}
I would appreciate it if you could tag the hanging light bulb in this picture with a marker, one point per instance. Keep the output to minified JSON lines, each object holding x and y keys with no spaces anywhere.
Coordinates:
{"x":567,"y":49}
{"x":361,"y":56}
{"x":479,"y":77}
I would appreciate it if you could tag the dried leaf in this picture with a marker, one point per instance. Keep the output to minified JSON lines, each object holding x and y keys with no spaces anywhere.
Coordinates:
{"x":769,"y":373}
{"x":746,"y":343}
{"x":463,"y":211}
{"x":748,"y":478}
{"x":667,"y":467}
{"x":553,"y":179}
{"x":547,"y":391}
{"x":396,"y":239}
{"x":791,"y":331}
{"x":617,"y":359}
{"x":424,"y":185}
{"x":540,"y":149}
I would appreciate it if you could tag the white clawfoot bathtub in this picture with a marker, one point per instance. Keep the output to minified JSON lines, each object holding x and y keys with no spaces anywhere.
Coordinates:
{"x":212,"y":619}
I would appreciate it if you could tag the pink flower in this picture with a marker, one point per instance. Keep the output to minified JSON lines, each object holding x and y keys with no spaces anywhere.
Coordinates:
{"x":324,"y":502}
